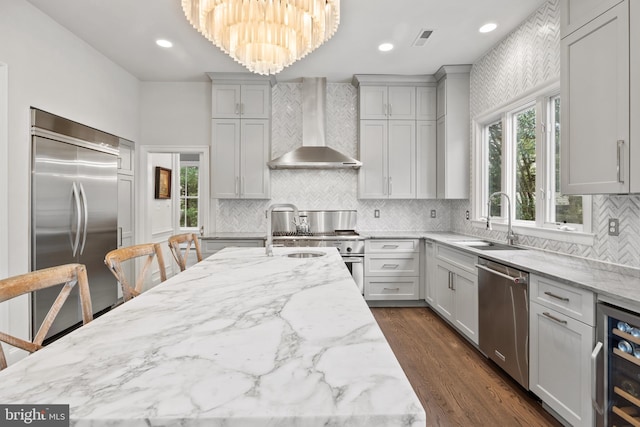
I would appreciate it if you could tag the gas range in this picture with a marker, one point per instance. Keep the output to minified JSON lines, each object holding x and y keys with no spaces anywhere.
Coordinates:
{"x":327,"y":229}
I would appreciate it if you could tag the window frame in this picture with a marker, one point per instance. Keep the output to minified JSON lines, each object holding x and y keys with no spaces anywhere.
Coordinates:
{"x":189,"y":163}
{"x":540,"y":98}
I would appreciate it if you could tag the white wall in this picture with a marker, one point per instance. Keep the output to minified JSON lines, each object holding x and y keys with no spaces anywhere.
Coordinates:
{"x":51,"y":69}
{"x":175,"y":114}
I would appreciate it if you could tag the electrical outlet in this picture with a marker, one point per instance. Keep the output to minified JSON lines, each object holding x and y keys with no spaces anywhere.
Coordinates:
{"x":433,"y":213}
{"x":466,"y":215}
{"x":614,"y":227}
{"x":376,"y":213}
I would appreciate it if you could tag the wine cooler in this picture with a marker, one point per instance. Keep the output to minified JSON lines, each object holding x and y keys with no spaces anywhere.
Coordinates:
{"x":616,"y":367}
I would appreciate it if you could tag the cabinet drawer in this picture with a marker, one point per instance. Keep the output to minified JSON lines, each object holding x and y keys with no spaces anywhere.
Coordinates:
{"x":458,"y":258}
{"x":569,"y":300}
{"x":210,"y":247}
{"x":391,"y":246}
{"x":391,"y":289}
{"x":392,"y":265}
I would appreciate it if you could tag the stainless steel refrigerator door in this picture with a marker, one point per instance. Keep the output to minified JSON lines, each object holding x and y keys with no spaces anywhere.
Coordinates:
{"x":55,"y":225}
{"x":97,"y":180}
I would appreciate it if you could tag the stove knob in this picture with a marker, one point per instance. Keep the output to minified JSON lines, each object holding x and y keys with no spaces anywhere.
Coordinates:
{"x":349,"y":249}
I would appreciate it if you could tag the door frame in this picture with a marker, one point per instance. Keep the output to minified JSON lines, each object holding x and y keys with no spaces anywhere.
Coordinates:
{"x":145,"y":189}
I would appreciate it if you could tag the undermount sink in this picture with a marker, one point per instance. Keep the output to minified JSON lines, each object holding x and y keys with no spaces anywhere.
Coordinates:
{"x":485,"y":245}
{"x":305,"y":254}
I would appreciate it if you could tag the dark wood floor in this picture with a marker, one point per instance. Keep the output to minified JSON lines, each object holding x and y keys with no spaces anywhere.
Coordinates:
{"x":456,"y":384}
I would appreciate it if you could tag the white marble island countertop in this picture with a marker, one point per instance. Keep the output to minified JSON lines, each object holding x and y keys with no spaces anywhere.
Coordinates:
{"x":239,"y":339}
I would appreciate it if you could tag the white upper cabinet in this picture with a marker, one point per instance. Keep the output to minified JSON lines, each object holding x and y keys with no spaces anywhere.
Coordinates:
{"x":397,"y":137}
{"x":576,"y":13}
{"x":249,"y":101}
{"x":452,"y":132}
{"x":241,"y":136}
{"x":388,"y":102}
{"x":598,"y":100}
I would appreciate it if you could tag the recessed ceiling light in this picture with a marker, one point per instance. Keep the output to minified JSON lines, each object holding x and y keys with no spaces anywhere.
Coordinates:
{"x":164,"y":43}
{"x":487,"y":28}
{"x":385,"y":47}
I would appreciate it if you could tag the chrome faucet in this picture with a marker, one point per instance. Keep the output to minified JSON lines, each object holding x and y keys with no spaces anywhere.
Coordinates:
{"x":269,"y":243}
{"x":511,"y":236}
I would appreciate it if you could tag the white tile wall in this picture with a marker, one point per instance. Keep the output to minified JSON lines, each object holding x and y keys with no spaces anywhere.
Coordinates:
{"x":325,"y":189}
{"x":529,"y":57}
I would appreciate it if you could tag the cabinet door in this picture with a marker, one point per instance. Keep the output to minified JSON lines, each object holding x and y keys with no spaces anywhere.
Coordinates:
{"x":426,"y":103}
{"x":126,"y":157}
{"x":402,"y":159}
{"x":441,"y":155}
{"x":595,"y":111}
{"x":441,"y":98}
{"x":402,"y":102}
{"x":225,"y":101}
{"x":255,"y":101}
{"x":575,"y":13}
{"x":429,"y":272}
{"x":373,"y":102}
{"x":443,"y":293}
{"x":560,"y":374}
{"x":126,"y":218}
{"x":254,"y":155}
{"x":372,"y":177}
{"x":225,"y":159}
{"x":465,"y":290}
{"x":426,"y":154}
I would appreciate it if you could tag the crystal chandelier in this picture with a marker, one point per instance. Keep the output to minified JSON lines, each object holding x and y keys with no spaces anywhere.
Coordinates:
{"x":265,"y":35}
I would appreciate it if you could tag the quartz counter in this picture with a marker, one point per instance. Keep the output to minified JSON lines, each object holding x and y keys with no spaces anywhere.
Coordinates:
{"x":239,"y":339}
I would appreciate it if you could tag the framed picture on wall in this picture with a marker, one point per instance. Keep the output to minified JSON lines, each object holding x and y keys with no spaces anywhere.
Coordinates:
{"x":163,"y":183}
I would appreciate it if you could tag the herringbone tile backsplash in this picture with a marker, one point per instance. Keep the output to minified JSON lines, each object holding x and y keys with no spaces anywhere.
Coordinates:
{"x":530,"y":57}
{"x":527,"y":58}
{"x":325,"y":189}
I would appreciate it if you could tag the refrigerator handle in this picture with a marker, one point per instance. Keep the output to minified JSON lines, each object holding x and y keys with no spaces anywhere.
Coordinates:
{"x":76,"y":241}
{"x":85,"y":217}
{"x":594,"y":378}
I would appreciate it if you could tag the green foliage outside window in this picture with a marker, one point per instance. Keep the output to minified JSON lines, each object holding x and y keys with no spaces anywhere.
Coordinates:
{"x":526,"y":165}
{"x":189,"y":196}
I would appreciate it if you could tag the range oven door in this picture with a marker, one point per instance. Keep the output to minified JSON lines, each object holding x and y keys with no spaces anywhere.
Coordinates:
{"x":355,"y":265}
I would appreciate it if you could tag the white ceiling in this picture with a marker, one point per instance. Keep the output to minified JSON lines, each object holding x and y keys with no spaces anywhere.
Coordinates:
{"x":125,"y":31}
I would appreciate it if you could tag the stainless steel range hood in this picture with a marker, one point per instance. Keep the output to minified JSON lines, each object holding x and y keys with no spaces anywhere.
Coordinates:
{"x":314,"y":154}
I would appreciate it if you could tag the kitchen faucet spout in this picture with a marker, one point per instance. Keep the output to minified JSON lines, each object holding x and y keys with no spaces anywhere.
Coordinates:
{"x":511,"y":236}
{"x":269,"y":242}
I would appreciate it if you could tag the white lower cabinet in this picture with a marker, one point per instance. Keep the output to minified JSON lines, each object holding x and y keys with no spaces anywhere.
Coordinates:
{"x":392,"y":269}
{"x":455,"y":290}
{"x":560,"y":349}
{"x":211,"y":246}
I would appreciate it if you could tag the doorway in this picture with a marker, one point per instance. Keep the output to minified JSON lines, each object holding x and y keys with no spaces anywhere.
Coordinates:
{"x":187,"y":207}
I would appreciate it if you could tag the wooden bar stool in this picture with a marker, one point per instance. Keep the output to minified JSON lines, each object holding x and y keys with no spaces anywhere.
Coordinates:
{"x":116,"y":257}
{"x":186,"y":239}
{"x":69,"y":275}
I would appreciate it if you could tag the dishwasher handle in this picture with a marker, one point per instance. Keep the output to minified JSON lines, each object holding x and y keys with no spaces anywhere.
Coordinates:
{"x":518,"y":279}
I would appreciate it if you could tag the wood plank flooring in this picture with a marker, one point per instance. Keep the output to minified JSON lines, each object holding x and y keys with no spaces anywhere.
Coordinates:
{"x":456,"y":384}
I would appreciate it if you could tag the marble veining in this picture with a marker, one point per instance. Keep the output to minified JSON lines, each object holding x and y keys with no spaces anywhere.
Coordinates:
{"x":239,"y":339}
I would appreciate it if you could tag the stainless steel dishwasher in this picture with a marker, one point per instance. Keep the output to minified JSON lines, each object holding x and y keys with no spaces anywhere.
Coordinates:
{"x":503,"y":311}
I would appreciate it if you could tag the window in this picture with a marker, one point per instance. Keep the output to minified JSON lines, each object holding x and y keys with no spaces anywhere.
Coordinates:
{"x":189,"y":184}
{"x":519,"y":155}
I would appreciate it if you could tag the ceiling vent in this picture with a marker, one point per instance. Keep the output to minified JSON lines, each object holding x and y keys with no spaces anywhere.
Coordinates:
{"x":422,"y":38}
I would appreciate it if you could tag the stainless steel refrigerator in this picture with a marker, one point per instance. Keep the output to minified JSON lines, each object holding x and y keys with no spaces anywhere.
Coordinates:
{"x":74,"y":207}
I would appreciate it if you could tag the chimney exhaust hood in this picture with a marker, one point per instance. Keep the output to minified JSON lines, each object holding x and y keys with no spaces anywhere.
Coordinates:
{"x":314,"y":154}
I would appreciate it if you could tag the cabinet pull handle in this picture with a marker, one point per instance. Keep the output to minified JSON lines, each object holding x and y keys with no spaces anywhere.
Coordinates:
{"x":242,"y":109}
{"x":450,"y":286}
{"x":119,"y":236}
{"x":242,"y":185}
{"x":391,"y":289}
{"x":552,"y":295}
{"x":119,"y":162}
{"x":237,"y":109}
{"x":237,"y":187}
{"x":390,"y":187}
{"x":564,"y":322}
{"x":390,"y":109}
{"x":390,"y":246}
{"x":386,"y":110}
{"x":594,"y":378}
{"x":385,"y":184}
{"x":390,"y":266}
{"x":619,"y":167}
